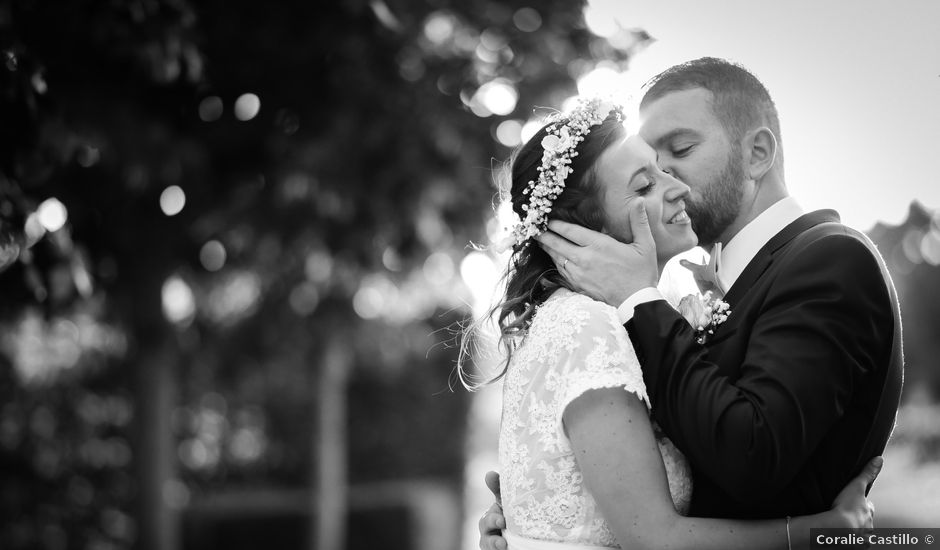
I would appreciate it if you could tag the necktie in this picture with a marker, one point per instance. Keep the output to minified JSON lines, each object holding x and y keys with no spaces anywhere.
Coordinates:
{"x":706,"y":275}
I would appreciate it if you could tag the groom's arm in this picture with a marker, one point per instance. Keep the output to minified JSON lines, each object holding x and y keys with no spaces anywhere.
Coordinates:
{"x":826,"y":323}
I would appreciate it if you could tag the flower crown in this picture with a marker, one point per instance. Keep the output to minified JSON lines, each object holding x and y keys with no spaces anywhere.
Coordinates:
{"x":559,"y":146}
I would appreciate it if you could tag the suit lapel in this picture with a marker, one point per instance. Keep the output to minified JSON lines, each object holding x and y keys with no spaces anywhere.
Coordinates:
{"x":765,"y":256}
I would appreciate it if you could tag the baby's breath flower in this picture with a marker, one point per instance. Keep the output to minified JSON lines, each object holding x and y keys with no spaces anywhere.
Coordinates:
{"x":564,"y":133}
{"x":704,"y":312}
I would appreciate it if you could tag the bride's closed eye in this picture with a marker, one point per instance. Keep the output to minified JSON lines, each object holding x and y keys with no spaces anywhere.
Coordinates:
{"x":650,"y":183}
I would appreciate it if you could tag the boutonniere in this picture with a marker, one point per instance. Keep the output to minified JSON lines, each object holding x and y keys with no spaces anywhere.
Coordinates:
{"x":704,"y":312}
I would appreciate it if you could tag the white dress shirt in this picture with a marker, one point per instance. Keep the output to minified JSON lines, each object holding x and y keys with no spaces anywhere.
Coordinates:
{"x":735,"y":256}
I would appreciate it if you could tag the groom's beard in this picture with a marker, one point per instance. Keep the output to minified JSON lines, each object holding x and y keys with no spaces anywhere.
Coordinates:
{"x":720,"y":202}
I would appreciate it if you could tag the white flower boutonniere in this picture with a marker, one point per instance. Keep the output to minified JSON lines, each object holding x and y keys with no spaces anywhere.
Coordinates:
{"x":704,"y":312}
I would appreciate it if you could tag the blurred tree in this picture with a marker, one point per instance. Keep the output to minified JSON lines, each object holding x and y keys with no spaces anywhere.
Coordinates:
{"x":912,"y":252}
{"x":250,"y":203}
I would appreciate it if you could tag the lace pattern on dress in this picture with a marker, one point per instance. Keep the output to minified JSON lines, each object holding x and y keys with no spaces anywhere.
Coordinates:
{"x":573,"y":345}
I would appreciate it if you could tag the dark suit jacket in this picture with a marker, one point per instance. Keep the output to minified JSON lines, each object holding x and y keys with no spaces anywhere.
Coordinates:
{"x":797,"y":390}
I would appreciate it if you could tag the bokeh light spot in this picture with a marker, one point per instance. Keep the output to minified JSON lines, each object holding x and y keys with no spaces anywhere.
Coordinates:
{"x":172,"y":200}
{"x":385,"y":15}
{"x":212,"y":255}
{"x":304,"y":298}
{"x":52,"y":214}
{"x":911,"y":245}
{"x":492,"y":39}
{"x":375,"y":295}
{"x":527,"y":20}
{"x":930,"y":247}
{"x":439,"y":27}
{"x":391,"y":259}
{"x":529,"y":129}
{"x":247,"y":107}
{"x":368,"y":302}
{"x":438,"y":268}
{"x":39,"y":83}
{"x":247,"y":445}
{"x":234,"y":297}
{"x":318,"y":266}
{"x":486,"y":55}
{"x":175,"y":494}
{"x":411,"y":68}
{"x":210,"y":108}
{"x":497,"y":96}
{"x":509,"y":133}
{"x":179,"y":304}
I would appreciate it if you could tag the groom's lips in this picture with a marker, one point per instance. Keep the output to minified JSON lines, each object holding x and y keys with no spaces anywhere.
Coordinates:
{"x":681,"y":217}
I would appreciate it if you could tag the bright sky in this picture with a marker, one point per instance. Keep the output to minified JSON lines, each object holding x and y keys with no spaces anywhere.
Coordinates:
{"x":856,"y":83}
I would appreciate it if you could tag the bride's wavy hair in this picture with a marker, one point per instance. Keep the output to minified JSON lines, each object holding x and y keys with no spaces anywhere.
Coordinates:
{"x":531,"y":276}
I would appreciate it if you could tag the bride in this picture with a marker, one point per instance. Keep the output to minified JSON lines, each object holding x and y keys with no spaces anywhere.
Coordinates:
{"x":582,"y":464}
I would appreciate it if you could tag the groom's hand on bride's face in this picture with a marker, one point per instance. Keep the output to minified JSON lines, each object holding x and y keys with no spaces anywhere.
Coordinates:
{"x":599,"y":265}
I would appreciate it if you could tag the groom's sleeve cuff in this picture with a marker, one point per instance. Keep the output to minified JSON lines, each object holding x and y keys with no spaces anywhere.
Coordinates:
{"x":648,"y":294}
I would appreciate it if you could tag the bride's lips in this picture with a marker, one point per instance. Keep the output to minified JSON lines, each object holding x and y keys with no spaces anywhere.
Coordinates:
{"x":679,"y":218}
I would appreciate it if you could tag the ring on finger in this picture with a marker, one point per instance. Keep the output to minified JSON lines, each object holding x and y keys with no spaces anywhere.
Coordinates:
{"x":565,"y":265}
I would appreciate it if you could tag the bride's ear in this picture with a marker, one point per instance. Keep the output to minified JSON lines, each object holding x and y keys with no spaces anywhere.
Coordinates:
{"x":760,"y":147}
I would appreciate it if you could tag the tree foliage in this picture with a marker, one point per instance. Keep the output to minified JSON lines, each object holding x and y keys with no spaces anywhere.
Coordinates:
{"x":339,"y":209}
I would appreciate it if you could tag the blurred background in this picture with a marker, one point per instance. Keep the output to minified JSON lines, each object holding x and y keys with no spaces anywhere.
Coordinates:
{"x":234,"y":245}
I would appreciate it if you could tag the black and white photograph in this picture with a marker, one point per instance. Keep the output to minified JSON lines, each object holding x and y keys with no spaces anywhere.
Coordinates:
{"x":492,"y":274}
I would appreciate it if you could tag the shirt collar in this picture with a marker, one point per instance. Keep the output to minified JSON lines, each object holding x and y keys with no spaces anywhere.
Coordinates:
{"x":742,"y":248}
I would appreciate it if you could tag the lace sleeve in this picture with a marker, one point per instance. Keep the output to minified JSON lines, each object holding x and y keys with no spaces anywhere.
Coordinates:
{"x":603,"y":357}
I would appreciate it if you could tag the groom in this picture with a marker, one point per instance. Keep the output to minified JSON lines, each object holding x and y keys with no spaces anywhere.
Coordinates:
{"x":789,"y":397}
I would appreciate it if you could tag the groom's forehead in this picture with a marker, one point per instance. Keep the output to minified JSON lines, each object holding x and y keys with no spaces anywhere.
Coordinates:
{"x":682,"y":110}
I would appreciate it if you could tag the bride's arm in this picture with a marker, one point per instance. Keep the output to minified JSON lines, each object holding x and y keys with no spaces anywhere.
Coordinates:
{"x":614,"y":446}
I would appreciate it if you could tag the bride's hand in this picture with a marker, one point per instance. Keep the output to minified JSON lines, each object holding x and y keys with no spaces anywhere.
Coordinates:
{"x":852,"y":508}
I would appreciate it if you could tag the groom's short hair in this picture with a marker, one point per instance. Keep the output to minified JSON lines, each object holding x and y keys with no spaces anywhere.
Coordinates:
{"x":741,"y":102}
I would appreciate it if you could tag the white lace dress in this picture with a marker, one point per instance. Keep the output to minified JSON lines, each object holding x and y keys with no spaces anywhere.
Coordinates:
{"x":574,"y":344}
